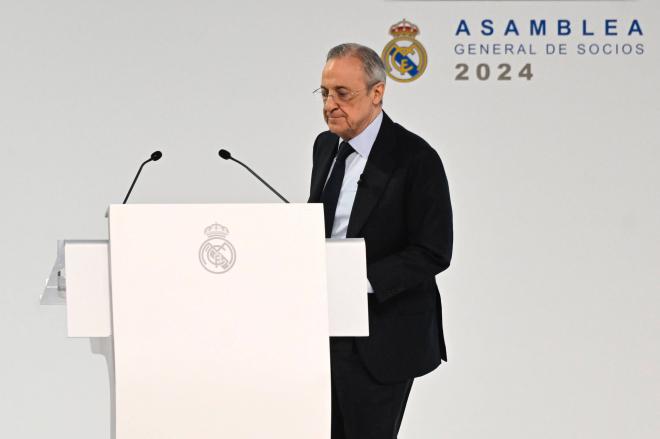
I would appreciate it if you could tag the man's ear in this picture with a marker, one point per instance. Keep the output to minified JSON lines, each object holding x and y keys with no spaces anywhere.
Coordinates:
{"x":379,"y":91}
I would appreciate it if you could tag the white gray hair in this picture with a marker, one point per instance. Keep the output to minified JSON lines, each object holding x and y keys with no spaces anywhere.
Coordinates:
{"x":374,"y":68}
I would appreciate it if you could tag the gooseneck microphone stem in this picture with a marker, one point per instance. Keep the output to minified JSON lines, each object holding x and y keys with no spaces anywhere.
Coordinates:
{"x":134,"y":180}
{"x":155,"y":156}
{"x":227,"y":156}
{"x":260,"y":179}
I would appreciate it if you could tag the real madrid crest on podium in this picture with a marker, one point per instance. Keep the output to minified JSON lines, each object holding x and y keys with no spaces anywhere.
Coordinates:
{"x":217,"y":254}
{"x":404,"y":56}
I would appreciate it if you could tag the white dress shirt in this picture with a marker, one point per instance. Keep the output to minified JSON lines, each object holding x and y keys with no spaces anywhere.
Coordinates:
{"x":355,"y":163}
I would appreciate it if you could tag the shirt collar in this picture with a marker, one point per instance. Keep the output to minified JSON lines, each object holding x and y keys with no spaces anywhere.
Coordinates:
{"x":363,"y":142}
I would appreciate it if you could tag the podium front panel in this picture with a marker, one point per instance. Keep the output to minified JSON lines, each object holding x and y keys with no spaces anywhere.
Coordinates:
{"x":220,"y":321}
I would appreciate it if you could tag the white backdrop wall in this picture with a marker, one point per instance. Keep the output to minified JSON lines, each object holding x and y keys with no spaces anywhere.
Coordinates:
{"x":552,"y":299}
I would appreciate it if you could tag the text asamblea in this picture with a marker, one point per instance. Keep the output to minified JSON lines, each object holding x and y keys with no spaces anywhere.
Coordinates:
{"x":560,"y":27}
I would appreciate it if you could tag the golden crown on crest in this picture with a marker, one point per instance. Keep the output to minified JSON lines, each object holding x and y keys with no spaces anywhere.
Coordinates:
{"x":404,"y":28}
{"x":216,"y":229}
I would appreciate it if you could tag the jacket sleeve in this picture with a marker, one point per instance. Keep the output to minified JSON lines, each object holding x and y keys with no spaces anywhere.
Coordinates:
{"x":311,"y":176}
{"x":429,"y":229}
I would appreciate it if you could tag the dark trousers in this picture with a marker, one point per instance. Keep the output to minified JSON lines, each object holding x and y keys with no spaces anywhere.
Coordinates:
{"x":362,"y":408}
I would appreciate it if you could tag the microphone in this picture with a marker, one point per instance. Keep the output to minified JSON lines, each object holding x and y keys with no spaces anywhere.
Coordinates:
{"x":227,"y":156}
{"x":155,"y":156}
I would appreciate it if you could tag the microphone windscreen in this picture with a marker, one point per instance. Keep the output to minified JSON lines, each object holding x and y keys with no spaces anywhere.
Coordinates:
{"x":156,"y":155}
{"x":224,"y":154}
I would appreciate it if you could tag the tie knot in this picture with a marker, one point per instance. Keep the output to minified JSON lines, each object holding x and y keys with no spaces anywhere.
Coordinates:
{"x":345,"y":149}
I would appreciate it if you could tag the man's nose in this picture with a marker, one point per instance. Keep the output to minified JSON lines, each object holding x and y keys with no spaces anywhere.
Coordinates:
{"x":329,"y":104}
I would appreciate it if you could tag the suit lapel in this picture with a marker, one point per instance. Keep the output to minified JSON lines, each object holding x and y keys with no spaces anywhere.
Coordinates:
{"x":377,"y":172}
{"x":326,"y":155}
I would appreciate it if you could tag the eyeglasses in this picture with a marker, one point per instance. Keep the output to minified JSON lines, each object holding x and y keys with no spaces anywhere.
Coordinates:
{"x":341,"y":95}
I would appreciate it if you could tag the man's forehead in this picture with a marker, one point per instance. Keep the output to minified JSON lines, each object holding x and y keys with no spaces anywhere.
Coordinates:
{"x":345,"y":71}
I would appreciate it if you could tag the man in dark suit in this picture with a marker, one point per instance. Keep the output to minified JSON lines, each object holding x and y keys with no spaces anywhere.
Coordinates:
{"x":380,"y":182}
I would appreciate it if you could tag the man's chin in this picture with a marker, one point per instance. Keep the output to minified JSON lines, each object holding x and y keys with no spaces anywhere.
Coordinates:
{"x":336,"y":127}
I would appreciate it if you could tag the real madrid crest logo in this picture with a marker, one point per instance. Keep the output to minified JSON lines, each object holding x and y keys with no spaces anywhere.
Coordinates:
{"x":216,"y":254}
{"x":404,"y":56}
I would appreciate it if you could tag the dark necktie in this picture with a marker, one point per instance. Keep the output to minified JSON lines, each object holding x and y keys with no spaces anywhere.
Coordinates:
{"x":330,"y":195}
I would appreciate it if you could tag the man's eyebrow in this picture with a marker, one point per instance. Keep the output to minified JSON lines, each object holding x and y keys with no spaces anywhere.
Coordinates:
{"x":335,"y":88}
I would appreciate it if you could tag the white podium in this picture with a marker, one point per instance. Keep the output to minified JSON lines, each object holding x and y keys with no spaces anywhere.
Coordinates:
{"x":214,"y":319}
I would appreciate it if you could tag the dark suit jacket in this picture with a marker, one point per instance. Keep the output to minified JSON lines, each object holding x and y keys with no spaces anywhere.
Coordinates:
{"x":403,"y":211}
